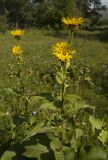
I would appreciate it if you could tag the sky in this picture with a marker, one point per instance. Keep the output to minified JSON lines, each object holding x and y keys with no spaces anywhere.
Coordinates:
{"x":105,"y":2}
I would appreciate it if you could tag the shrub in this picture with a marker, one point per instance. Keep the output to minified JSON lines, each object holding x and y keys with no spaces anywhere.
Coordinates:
{"x":104,"y":22}
{"x":3,"y":24}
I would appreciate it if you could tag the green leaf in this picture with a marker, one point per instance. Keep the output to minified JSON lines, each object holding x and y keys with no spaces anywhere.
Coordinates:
{"x":8,"y":155}
{"x":96,"y":153}
{"x":65,"y":86}
{"x":79,"y":133}
{"x":72,"y":97}
{"x":48,"y":106}
{"x":69,"y":153}
{"x":39,"y":128}
{"x":59,"y":155}
{"x":1,"y":114}
{"x":36,"y":100}
{"x":67,"y":64}
{"x":103,"y":136}
{"x":42,"y":104}
{"x":35,"y":151}
{"x":11,"y":91}
{"x":96,"y":123}
{"x":76,"y":139}
{"x":55,"y":144}
{"x":59,"y":77}
{"x":56,"y":147}
{"x":82,"y":154}
{"x":32,"y":120}
{"x":72,"y":104}
{"x":67,"y":135}
{"x":74,"y":143}
{"x":89,"y":80}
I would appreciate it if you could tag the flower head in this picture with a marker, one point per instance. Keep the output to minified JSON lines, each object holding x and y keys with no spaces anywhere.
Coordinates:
{"x":17,"y":50}
{"x":62,"y":51}
{"x":73,"y":21}
{"x":17,"y":33}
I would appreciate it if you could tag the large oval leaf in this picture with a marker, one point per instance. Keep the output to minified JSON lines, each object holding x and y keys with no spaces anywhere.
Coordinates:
{"x":35,"y":151}
{"x":8,"y":155}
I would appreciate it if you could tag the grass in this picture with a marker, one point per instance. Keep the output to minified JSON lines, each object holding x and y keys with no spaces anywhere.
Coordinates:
{"x":91,"y":46}
{"x":37,"y":45}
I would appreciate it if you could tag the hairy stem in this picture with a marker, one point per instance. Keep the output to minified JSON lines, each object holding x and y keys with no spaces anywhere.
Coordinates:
{"x":71,"y":35}
{"x":63,"y":69}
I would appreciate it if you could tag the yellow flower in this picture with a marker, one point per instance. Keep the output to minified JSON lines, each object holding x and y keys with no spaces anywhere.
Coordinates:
{"x":73,"y":21}
{"x":17,"y":33}
{"x":62,"y":51}
{"x":17,"y":50}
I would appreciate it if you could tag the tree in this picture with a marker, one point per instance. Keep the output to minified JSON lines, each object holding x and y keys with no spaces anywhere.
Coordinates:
{"x":90,"y":9}
{"x":83,"y":7}
{"x":71,"y":8}
{"x":95,"y":14}
{"x":14,"y":10}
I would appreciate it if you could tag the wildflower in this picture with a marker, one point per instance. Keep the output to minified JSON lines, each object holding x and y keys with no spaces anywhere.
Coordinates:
{"x":73,"y":21}
{"x":17,"y":33}
{"x":17,"y":50}
{"x":62,"y":51}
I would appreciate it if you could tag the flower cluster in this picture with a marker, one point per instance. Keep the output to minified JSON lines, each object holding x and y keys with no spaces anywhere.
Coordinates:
{"x":17,"y":50}
{"x":73,"y":21}
{"x":62,"y":51}
{"x":17,"y":33}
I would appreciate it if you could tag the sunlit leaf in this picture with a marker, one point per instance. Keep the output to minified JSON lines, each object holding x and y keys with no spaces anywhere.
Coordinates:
{"x":79,"y":132}
{"x":35,"y":100}
{"x":56,"y":147}
{"x":73,"y":103}
{"x":96,"y":123}
{"x":35,"y":151}
{"x":69,"y":153}
{"x":48,"y":106}
{"x":8,"y":155}
{"x":59,"y":77}
{"x":55,"y":144}
{"x":59,"y":155}
{"x":103,"y":136}
{"x":95,"y":153}
{"x":39,"y":128}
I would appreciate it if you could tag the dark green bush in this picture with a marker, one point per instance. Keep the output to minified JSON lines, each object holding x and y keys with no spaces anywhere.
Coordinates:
{"x":3,"y":24}
{"x":104,"y":22}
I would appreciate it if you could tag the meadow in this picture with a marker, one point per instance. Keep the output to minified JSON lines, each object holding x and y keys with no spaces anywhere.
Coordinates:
{"x":88,"y":74}
{"x":91,"y":51}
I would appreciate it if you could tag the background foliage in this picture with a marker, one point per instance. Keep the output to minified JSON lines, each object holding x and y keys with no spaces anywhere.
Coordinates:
{"x":23,"y":13}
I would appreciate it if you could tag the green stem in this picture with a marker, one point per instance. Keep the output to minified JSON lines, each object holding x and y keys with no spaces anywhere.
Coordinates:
{"x":62,"y":98}
{"x":25,"y":99}
{"x":63,"y":68}
{"x":20,"y":76}
{"x":71,"y":35}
